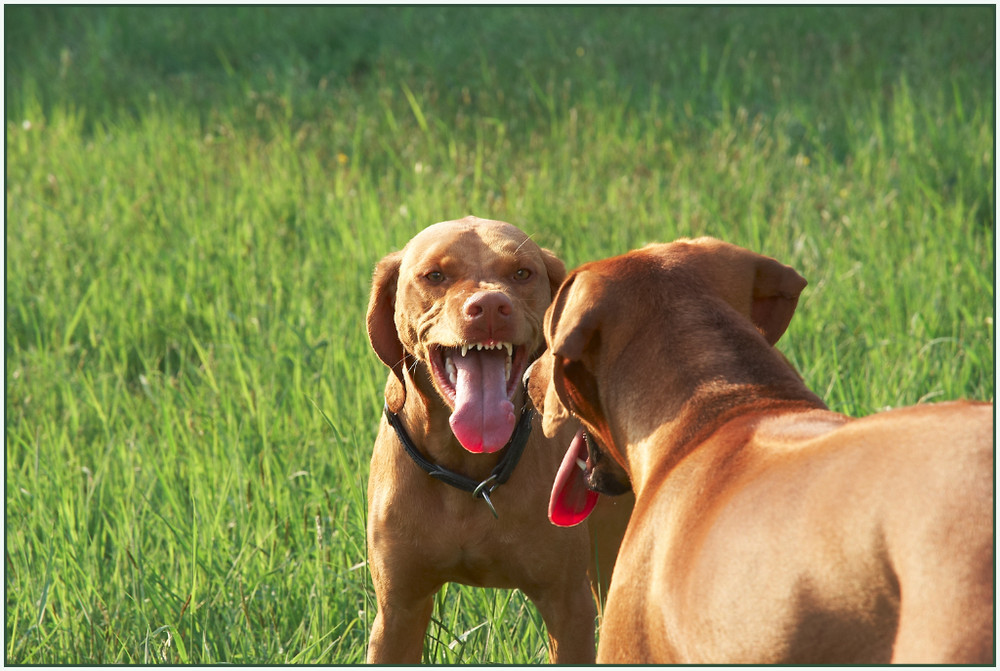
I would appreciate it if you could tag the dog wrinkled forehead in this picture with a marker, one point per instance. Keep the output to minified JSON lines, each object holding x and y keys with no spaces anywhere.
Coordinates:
{"x":485,"y":235}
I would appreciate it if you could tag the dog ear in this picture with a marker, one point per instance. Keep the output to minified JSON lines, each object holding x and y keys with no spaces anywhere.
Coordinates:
{"x":776,"y":289}
{"x":382,"y":327}
{"x":538,"y":378}
{"x":762,"y":289}
{"x":572,"y":319}
{"x":555,"y":269}
{"x":572,"y":329}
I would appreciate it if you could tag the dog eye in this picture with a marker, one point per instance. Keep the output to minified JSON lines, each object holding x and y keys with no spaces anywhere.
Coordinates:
{"x":434,"y":277}
{"x":522,"y":274}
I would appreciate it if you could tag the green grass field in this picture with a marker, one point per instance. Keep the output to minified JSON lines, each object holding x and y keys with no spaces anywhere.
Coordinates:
{"x":195,"y":198}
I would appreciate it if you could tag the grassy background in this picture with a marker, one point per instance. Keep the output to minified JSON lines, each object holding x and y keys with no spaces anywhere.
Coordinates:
{"x":195,"y":198}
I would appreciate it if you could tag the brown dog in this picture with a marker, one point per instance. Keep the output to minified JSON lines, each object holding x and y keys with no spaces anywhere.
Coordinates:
{"x":457,"y":317}
{"x":766,"y":528}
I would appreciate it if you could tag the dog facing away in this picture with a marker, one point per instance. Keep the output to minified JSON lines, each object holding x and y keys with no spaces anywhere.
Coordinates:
{"x":766,"y":528}
{"x":461,"y":470}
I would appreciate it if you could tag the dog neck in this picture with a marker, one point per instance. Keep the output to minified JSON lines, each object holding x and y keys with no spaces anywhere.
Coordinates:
{"x":478,"y":488}
{"x":653,"y":457}
{"x":741,"y":376}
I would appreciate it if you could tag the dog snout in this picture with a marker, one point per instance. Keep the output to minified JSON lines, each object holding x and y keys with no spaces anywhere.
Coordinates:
{"x":488,"y":310}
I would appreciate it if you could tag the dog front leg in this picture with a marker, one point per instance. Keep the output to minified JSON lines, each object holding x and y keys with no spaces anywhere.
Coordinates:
{"x":398,"y":631}
{"x":569,"y":619}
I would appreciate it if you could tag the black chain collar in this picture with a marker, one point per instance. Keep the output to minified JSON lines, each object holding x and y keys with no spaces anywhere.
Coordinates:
{"x":500,"y":473}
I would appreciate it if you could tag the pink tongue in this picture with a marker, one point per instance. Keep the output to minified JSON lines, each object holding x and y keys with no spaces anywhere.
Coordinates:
{"x":483,"y":419}
{"x":571,"y":499}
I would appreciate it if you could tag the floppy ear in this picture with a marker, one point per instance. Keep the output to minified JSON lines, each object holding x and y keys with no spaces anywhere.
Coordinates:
{"x":573,"y":317}
{"x":555,"y":269}
{"x":538,"y":379}
{"x":382,"y":327}
{"x":763,"y":290}
{"x":572,"y":329}
{"x":776,"y":289}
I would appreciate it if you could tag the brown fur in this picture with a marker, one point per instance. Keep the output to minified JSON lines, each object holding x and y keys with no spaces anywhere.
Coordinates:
{"x":422,"y":532}
{"x":766,"y":528}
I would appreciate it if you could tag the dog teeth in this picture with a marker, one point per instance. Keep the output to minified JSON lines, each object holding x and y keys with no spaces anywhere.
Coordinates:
{"x":582,"y":464}
{"x":449,"y":366}
{"x":478,"y":346}
{"x":464,"y":348}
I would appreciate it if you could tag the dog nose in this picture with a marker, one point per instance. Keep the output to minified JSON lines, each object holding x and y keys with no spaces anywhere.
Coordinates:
{"x":489,"y":307}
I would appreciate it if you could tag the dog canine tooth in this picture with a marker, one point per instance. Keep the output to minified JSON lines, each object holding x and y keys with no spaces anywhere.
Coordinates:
{"x":509,"y":347}
{"x":582,"y":464}
{"x":465,"y":349}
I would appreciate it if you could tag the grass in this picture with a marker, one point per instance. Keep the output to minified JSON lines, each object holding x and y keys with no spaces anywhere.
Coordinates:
{"x":196,"y":198}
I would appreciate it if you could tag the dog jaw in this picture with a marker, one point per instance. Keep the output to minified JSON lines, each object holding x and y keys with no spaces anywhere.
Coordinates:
{"x":572,"y":499}
{"x":480,"y":393}
{"x":452,"y":371}
{"x":585,"y":473}
{"x":445,"y":373}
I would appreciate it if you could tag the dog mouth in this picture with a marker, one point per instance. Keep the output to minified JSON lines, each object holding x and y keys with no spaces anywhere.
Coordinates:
{"x":478,"y":381}
{"x":572,"y":499}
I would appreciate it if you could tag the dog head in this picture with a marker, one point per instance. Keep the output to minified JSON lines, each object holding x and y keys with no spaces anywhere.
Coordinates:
{"x":637,"y":332}
{"x":466,"y":299}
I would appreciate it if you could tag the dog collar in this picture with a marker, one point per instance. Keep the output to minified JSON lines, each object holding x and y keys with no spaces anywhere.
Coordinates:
{"x":500,"y":473}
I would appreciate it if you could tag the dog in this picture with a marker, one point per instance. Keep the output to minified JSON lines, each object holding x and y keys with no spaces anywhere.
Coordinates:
{"x":766,"y":529}
{"x":461,"y":471}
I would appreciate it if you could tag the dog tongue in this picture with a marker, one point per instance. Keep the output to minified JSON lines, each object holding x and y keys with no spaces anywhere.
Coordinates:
{"x":483,"y":419}
{"x":571,"y":499}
